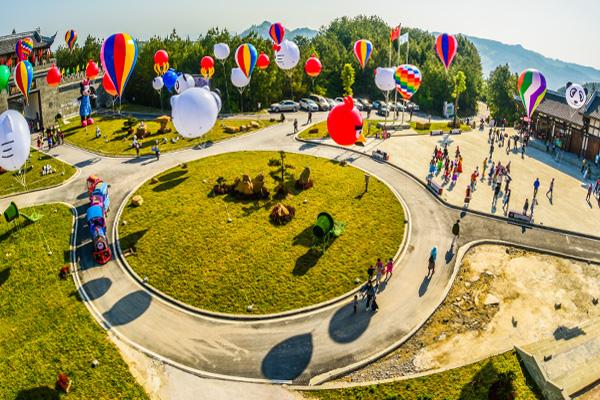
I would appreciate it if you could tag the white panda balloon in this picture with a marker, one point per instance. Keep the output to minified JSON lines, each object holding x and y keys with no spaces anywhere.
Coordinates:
{"x":158,"y":83}
{"x":384,"y":79}
{"x":15,"y":140}
{"x":288,"y":55}
{"x":195,"y":111}
{"x":576,"y":95}
{"x":184,"y":82}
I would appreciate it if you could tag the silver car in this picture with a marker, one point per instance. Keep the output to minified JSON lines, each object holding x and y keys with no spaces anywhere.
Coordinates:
{"x":285,"y":105}
{"x":308,"y":105}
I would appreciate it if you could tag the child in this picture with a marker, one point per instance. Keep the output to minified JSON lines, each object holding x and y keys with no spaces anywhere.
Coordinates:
{"x":389,"y":268}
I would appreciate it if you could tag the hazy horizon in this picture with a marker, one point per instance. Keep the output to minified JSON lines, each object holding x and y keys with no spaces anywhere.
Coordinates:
{"x":540,"y":26}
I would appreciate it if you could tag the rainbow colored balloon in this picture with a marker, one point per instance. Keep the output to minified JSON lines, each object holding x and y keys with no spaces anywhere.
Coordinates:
{"x":532,"y":88}
{"x":408,"y":80}
{"x":24,"y":77}
{"x":277,"y":32}
{"x":362,"y":51}
{"x":245,"y":57}
{"x":119,"y":55}
{"x":446,"y":46}
{"x":70,"y":38}
{"x":23,"y":48}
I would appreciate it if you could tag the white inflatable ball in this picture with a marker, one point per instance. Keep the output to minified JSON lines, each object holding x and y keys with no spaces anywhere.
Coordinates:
{"x":384,"y":79}
{"x":15,"y":140}
{"x":221,"y":51}
{"x":238,"y":78}
{"x":288,"y":55}
{"x":195,"y":111}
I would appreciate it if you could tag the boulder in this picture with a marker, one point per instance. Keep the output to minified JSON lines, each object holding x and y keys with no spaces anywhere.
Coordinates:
{"x":255,"y":124}
{"x":491,"y":300}
{"x":244,"y":186}
{"x":258,"y":183}
{"x":304,"y":182}
{"x":137,"y":200}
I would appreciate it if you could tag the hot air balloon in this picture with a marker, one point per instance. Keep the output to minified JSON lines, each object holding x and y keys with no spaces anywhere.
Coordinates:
{"x":108,"y":86}
{"x":408,"y":80}
{"x":70,"y":38}
{"x":24,"y":77}
{"x":4,"y":77}
{"x":23,"y":48}
{"x":91,"y":70}
{"x":245,"y":57}
{"x":362,"y":51}
{"x":161,"y":62}
{"x":263,"y":61}
{"x":53,"y":77}
{"x":532,"y":88}
{"x":277,"y":33}
{"x":446,"y":47}
{"x":119,"y":55}
{"x":313,"y":66}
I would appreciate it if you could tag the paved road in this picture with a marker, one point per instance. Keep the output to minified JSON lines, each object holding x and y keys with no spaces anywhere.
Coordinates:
{"x":293,"y":349}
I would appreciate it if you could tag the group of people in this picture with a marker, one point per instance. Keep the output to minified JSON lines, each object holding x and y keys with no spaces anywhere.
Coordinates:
{"x":54,"y":137}
{"x":441,"y":161}
{"x":377,"y":275}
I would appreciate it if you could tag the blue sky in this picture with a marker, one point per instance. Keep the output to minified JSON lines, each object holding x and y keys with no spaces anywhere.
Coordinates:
{"x":564,"y":29}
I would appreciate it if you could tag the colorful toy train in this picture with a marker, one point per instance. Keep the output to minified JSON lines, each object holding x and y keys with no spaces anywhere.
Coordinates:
{"x":96,"y":218}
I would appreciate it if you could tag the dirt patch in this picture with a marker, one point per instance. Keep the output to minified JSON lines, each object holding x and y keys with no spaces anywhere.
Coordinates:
{"x":502,"y":297}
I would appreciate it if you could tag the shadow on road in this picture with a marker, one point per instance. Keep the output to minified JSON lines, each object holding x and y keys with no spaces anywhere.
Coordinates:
{"x":96,"y":288}
{"x":128,"y":309}
{"x":346,"y":327}
{"x":288,"y":359}
{"x":424,"y":286}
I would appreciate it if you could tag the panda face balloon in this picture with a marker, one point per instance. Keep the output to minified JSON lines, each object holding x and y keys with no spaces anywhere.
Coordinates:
{"x":195,"y":111}
{"x":184,"y":82}
{"x":15,"y":140}
{"x":576,"y":95}
{"x":158,"y":83}
{"x":288,"y":55}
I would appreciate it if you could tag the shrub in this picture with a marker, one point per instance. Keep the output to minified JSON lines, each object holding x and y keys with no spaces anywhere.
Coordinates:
{"x":423,"y":126}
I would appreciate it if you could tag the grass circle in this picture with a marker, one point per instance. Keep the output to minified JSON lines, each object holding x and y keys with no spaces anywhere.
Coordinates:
{"x":184,"y":244}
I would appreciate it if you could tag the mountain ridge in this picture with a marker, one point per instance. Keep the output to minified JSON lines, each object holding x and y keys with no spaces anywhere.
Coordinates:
{"x":493,"y":53}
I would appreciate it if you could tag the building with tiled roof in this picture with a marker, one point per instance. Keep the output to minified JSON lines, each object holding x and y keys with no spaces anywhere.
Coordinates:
{"x":41,"y":46}
{"x":575,"y":131}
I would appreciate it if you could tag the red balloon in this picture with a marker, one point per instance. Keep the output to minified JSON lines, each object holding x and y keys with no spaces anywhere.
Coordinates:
{"x":92,"y":70}
{"x":207,"y":62}
{"x":263,"y":61}
{"x":344,"y":123}
{"x":161,"y":57}
{"x":108,"y":85}
{"x":313,"y":66}
{"x":53,"y":78}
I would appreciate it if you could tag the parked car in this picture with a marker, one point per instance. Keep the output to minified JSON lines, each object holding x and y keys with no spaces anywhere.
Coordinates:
{"x":285,"y":105}
{"x":320,"y":101}
{"x":365,"y":103}
{"x":357,"y":103}
{"x":332,"y":103}
{"x":339,"y":100}
{"x":383,"y":109}
{"x":308,"y":105}
{"x":410,"y":105}
{"x":377,"y":104}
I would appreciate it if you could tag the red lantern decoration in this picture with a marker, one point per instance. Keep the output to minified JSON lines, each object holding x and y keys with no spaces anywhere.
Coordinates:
{"x":53,"y":78}
{"x":263,"y":61}
{"x":313,"y":66}
{"x":108,"y":85}
{"x":91,"y":70}
{"x":161,"y":57}
{"x":344,"y":123}
{"x":207,"y":63}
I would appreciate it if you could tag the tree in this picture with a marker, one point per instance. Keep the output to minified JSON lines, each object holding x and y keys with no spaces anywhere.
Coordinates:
{"x":460,"y":85}
{"x":501,"y":91}
{"x":348,"y":79}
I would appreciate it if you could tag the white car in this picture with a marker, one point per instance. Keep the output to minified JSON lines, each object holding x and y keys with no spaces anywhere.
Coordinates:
{"x":308,"y":105}
{"x":285,"y":105}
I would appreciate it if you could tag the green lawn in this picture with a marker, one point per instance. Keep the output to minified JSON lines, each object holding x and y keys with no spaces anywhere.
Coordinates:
{"x":369,"y":129}
{"x":44,"y":328}
{"x":116,"y":141}
{"x":11,"y":182}
{"x":436,"y":126}
{"x":471,"y":382}
{"x":220,"y":266}
{"x":138,"y":108}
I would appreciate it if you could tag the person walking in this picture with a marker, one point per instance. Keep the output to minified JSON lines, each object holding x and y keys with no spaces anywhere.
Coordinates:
{"x":431,"y":263}
{"x":455,"y":233}
{"x":389,"y":269}
{"x":380,"y":271}
{"x":156,"y":150}
{"x":536,"y":186}
{"x":523,"y":151}
{"x":496,"y":194}
{"x":506,"y":201}
{"x":526,"y":207}
{"x":485,"y":164}
{"x":136,"y":146}
{"x":491,"y":150}
{"x":309,"y":120}
{"x":589,"y":193}
{"x":550,"y":192}
{"x":370,"y":293}
{"x":295,"y":125}
{"x":370,"y":272}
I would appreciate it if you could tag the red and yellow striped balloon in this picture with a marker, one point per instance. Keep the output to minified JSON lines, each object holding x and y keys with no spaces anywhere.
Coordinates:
{"x":24,"y":77}
{"x":119,"y":56}
{"x":362,"y":51}
{"x":245,"y":57}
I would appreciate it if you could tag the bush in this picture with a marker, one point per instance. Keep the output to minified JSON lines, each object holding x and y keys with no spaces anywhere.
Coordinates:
{"x":423,"y":126}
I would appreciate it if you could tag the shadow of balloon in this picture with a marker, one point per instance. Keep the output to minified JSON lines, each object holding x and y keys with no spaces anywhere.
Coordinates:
{"x":128,"y":309}
{"x":4,"y":275}
{"x":288,"y":359}
{"x":38,"y":393}
{"x":96,"y":288}
{"x":346,"y":327}
{"x":169,"y":184}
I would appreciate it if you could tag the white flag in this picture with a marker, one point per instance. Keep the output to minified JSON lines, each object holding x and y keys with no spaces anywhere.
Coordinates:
{"x":403,"y":38}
